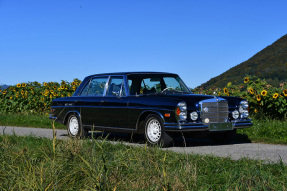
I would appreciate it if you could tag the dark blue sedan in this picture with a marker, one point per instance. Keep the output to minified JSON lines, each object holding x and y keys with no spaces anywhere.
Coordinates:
{"x":154,"y":104}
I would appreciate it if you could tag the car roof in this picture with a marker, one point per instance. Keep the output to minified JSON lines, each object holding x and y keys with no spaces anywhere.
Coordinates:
{"x":131,"y":73}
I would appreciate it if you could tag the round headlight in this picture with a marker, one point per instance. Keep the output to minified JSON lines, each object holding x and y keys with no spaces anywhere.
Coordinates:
{"x":182,"y":106}
{"x":245,"y":114}
{"x":235,"y":114}
{"x":193,"y":115}
{"x":244,"y":104}
{"x":180,"y":111}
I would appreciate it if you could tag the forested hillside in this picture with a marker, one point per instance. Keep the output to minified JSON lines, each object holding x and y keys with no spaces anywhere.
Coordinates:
{"x":270,"y":63}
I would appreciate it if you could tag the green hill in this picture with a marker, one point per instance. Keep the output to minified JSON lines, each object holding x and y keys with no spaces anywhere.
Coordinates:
{"x":270,"y":63}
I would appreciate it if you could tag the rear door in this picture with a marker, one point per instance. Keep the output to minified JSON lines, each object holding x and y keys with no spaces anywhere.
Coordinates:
{"x":114,"y":106}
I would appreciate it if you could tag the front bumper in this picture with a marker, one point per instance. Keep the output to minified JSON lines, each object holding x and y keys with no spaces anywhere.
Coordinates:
{"x":188,"y":127}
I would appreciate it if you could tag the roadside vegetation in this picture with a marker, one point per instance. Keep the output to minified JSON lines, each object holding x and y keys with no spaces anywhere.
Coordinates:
{"x":266,"y":131}
{"x":28,"y":120}
{"x":30,"y":163}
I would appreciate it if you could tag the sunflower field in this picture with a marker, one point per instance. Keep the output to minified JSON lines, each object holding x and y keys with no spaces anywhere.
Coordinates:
{"x":264,"y":100}
{"x":34,"y":97}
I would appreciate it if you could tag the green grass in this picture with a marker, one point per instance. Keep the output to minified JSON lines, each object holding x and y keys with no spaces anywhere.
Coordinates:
{"x":28,"y":120}
{"x":29,"y":163}
{"x":267,"y":131}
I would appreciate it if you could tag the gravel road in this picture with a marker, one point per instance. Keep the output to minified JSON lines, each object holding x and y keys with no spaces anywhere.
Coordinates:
{"x":235,"y":150}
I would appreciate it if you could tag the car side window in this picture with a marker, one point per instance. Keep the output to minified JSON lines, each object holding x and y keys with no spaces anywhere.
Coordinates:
{"x":116,"y":86}
{"x":96,"y":87}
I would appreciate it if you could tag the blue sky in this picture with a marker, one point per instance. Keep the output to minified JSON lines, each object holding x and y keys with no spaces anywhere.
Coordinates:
{"x":54,"y":40}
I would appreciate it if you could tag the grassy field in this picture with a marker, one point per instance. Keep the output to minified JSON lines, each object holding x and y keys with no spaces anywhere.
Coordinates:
{"x":29,"y":163}
{"x":267,"y":131}
{"x":28,"y":120}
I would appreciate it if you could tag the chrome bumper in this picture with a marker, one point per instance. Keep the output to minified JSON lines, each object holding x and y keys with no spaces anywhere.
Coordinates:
{"x":186,"y":127}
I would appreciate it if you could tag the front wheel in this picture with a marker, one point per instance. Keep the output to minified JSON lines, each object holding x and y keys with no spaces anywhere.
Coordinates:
{"x":74,"y":127}
{"x":154,"y":131}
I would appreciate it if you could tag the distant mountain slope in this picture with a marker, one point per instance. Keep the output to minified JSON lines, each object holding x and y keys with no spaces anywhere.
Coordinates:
{"x":270,"y":63}
{"x":4,"y":86}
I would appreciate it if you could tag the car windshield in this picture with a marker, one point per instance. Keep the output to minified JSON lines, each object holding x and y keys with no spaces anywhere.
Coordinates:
{"x":156,"y":84}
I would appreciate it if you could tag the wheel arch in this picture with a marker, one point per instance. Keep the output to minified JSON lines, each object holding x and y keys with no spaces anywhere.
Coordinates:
{"x":69,"y":113}
{"x":142,"y":117}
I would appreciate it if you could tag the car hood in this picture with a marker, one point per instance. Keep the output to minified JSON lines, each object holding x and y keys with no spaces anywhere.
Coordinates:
{"x":192,"y":100}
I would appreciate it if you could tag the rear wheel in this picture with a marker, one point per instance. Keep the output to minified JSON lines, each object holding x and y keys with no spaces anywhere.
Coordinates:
{"x":74,"y":127}
{"x":154,"y":131}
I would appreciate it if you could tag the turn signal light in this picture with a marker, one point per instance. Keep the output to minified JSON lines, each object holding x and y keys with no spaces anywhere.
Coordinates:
{"x":167,"y":114}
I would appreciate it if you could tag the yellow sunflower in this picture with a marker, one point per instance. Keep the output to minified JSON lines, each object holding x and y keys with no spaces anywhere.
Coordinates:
{"x":45,"y":84}
{"x":4,"y":92}
{"x":62,"y":87}
{"x":59,"y":89}
{"x":264,"y":93}
{"x":258,"y":97}
{"x":255,"y":110}
{"x":219,"y":93}
{"x":63,"y":82}
{"x":22,"y":92}
{"x":23,"y":85}
{"x":285,"y":92}
{"x":225,"y":90}
{"x":246,"y":80}
{"x":11,"y":97}
{"x":51,"y":96}
{"x":73,"y":83}
{"x":275,"y":95}
{"x":18,"y":85}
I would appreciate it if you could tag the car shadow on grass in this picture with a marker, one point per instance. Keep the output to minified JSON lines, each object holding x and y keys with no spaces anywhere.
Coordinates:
{"x":178,"y":140}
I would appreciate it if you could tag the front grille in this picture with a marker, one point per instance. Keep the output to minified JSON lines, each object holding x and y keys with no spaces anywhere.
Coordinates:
{"x":214,"y":111}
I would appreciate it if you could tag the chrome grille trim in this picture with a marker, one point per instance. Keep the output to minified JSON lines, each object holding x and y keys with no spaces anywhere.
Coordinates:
{"x":215,"y":110}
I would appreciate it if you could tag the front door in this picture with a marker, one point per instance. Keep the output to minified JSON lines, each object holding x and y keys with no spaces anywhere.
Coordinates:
{"x":92,"y":97}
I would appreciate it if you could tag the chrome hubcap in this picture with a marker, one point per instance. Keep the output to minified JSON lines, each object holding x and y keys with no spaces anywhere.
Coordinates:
{"x":154,"y":130}
{"x":73,"y":126}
